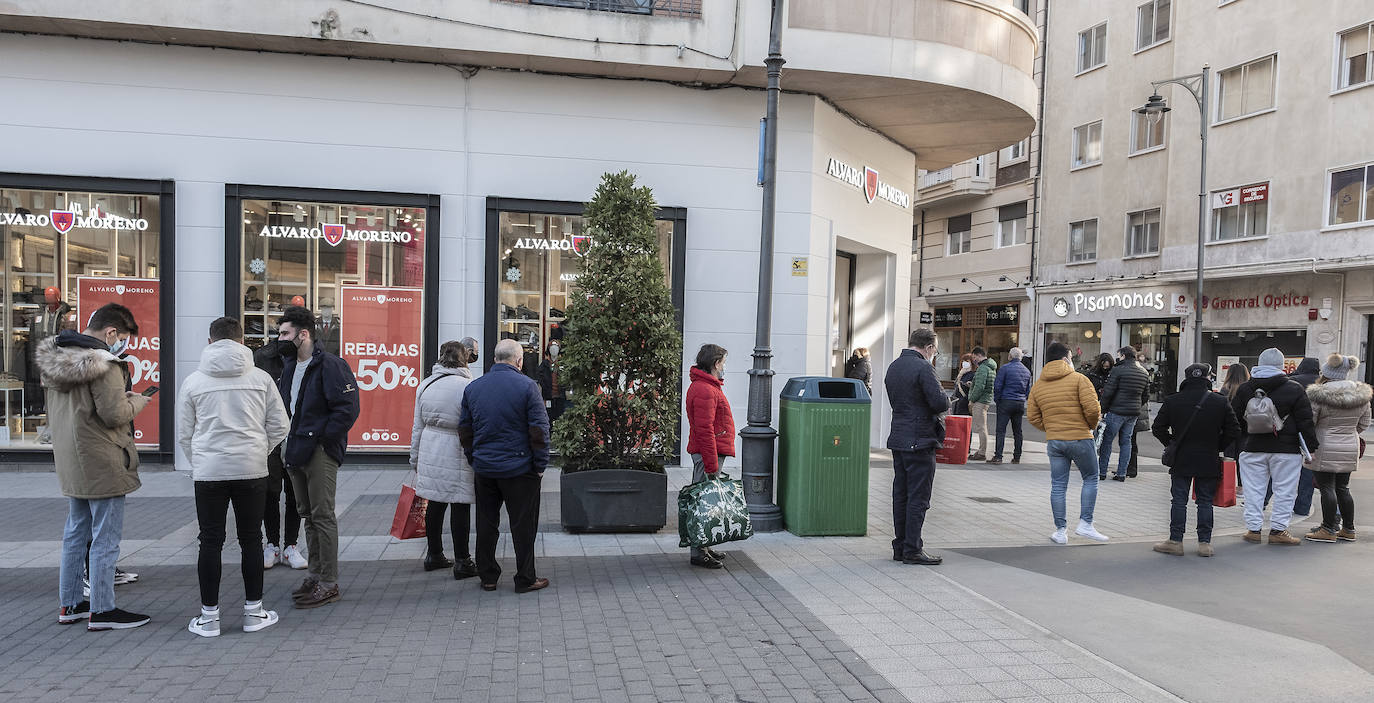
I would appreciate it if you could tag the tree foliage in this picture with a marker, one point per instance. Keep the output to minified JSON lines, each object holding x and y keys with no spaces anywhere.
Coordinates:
{"x":622,"y":354}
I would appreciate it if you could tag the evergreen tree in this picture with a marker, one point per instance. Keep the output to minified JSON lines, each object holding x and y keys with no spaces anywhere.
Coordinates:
{"x":622,"y":355}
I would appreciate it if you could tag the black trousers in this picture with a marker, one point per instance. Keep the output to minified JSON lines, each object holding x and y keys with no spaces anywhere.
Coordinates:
{"x":1335,"y":491}
{"x":1009,"y":411}
{"x":271,"y":516}
{"x":1178,"y":506}
{"x":912,"y":481}
{"x":520,"y":495}
{"x":212,"y":507}
{"x":459,"y":519}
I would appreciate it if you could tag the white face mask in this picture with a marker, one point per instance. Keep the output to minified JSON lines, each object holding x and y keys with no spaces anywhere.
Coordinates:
{"x":553,"y":351}
{"x":118,"y":347}
{"x":965,"y":366}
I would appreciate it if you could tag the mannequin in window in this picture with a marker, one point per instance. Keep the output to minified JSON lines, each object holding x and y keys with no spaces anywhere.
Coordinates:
{"x":555,"y":394}
{"x":327,"y":327}
{"x":251,"y":299}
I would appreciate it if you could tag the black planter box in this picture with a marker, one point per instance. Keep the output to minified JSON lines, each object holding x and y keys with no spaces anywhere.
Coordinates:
{"x":613,"y":500}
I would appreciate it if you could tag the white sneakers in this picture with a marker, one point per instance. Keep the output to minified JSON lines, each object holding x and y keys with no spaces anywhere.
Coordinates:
{"x":271,"y":556}
{"x":258,"y":618}
{"x":204,"y":625}
{"x":292,"y":557}
{"x":1086,"y":529}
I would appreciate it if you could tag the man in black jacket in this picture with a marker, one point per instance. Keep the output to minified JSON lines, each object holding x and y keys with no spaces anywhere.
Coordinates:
{"x":1268,"y":455}
{"x":321,"y":394}
{"x":918,"y":408}
{"x":281,"y":546}
{"x":1200,"y":424}
{"x":1127,"y":388}
{"x":1307,"y":372}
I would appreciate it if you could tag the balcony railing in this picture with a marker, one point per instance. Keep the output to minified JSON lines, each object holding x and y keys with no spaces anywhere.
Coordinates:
{"x":933,"y":178}
{"x":669,"y":8}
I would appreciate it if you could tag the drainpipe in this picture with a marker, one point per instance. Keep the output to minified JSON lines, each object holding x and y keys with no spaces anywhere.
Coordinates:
{"x":1035,"y":181}
{"x":921,"y":256}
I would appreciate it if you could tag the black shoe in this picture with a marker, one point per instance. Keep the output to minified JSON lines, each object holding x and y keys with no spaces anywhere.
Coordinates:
{"x":1119,"y":477}
{"x":897,"y":555}
{"x":706,"y":562}
{"x":488,"y":586}
{"x":995,"y":460}
{"x":1016,"y":460}
{"x":718,"y":556}
{"x":80,"y":611}
{"x":116,"y":620}
{"x":319,"y":596}
{"x":441,"y":562}
{"x":1101,"y":477}
{"x":464,"y":569}
{"x":923,"y":559}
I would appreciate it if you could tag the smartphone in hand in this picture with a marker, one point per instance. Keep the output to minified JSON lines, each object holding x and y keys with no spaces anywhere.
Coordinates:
{"x":150,"y":391}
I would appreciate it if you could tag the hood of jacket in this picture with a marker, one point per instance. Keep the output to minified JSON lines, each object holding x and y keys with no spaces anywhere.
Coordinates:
{"x":226,"y":359}
{"x":1269,"y":383}
{"x":1308,"y":365}
{"x":1192,"y":384}
{"x":1056,"y":370}
{"x":1345,"y":395}
{"x":72,"y":359}
{"x":441,"y":370}
{"x":706,"y":377}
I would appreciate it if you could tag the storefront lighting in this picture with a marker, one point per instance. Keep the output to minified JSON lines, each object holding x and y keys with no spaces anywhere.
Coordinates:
{"x":1241,"y":335}
{"x":1174,"y":329}
{"x":1216,"y":335}
{"x":1269,"y":334}
{"x":1088,"y":334}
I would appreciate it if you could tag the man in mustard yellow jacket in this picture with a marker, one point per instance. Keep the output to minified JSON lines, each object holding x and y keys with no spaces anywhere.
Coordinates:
{"x":1064,"y":405}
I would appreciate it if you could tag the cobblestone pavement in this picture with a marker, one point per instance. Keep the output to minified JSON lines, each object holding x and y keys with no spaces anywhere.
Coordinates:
{"x":790,"y":619}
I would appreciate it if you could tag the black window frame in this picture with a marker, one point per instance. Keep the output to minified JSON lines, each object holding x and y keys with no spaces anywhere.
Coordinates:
{"x":165,"y":190}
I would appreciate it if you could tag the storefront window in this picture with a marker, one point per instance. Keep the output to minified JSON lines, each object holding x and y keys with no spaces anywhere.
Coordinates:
{"x":1084,"y":340}
{"x":1158,"y":341}
{"x":960,"y":329}
{"x":361,"y":270}
{"x":1222,"y":349}
{"x":540,"y":260}
{"x":65,"y":254}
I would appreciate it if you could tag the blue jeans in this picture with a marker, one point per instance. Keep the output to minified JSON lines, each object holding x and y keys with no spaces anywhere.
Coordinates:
{"x":1122,"y":427}
{"x":1009,"y":411}
{"x":101,"y":523}
{"x":1080,"y":452}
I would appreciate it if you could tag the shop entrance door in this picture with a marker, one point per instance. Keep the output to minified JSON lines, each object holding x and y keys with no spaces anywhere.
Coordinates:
{"x":842,"y":313}
{"x":1158,"y":340}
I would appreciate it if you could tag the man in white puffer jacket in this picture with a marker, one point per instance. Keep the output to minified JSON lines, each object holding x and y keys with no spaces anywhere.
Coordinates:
{"x":229,"y":416}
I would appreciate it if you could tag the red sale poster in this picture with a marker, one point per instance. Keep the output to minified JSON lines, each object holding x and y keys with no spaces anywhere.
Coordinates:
{"x":380,"y":330}
{"x":140,"y":295}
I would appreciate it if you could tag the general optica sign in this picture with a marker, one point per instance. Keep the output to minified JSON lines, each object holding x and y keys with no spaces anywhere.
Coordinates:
{"x":144,"y":355}
{"x":380,"y":331}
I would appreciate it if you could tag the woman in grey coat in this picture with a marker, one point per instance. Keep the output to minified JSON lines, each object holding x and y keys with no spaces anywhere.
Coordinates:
{"x":442,"y":474}
{"x":1340,"y":409}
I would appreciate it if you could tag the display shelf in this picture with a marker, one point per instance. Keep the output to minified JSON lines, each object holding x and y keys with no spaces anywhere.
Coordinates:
{"x":521,"y":321}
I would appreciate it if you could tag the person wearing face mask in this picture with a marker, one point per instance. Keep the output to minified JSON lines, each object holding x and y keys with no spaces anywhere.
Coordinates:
{"x":91,"y":412}
{"x":471,"y":345}
{"x":710,"y":429}
{"x":555,"y":394}
{"x":918,"y":429}
{"x":281,"y":539}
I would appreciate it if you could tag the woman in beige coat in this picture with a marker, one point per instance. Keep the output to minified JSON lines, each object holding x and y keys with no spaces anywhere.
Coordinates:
{"x":1340,"y":408}
{"x":443,"y":476}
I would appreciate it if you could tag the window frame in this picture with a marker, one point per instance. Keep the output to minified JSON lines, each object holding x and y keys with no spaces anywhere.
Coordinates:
{"x":1366,"y":219}
{"x":1074,"y":163}
{"x":1005,"y":158}
{"x":1338,"y":61}
{"x":1069,"y":244}
{"x":1136,"y":118}
{"x":1079,"y":55}
{"x":1154,"y":30}
{"x":1213,"y":211}
{"x":1159,"y":233}
{"x":1024,"y":219}
{"x":949,"y":240}
{"x":1217,"y":119}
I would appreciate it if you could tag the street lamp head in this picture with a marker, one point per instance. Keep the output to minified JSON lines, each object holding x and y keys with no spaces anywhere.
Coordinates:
{"x":1154,"y":109}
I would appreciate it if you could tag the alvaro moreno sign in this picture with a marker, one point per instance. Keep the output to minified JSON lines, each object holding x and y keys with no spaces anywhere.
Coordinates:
{"x":866,"y":179}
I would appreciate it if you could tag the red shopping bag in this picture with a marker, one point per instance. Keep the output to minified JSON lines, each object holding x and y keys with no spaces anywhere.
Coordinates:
{"x":958,"y":437}
{"x":1226,"y":490}
{"x":409,"y":522}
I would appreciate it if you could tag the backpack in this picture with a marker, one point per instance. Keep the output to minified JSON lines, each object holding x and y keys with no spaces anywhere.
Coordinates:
{"x":1261,"y":416}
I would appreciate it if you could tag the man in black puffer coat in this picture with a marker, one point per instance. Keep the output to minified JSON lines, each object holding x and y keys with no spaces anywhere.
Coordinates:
{"x":1127,"y":388}
{"x":1306,"y":374}
{"x":1201,"y":423}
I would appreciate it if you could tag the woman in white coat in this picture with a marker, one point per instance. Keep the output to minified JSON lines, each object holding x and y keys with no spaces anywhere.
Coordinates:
{"x":443,"y":476}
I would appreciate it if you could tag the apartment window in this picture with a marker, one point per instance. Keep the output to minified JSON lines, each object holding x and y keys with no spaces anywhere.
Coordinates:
{"x":1152,"y":24}
{"x":1142,"y":233}
{"x":1351,"y":196}
{"x":980,"y":167}
{"x":1011,"y":225}
{"x":1083,"y":240}
{"x":1144,"y":135}
{"x":1356,"y":57}
{"x":960,"y":235}
{"x":1015,"y":153}
{"x":1092,"y":47}
{"x":1240,"y":212}
{"x":1087,"y":144}
{"x":1246,"y":89}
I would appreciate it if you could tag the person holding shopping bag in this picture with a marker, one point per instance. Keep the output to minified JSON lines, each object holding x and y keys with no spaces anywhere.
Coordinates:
{"x":710,"y":429}
{"x":442,"y":474}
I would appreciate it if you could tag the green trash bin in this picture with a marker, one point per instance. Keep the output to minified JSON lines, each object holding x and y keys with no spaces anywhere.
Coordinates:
{"x":823,"y":443}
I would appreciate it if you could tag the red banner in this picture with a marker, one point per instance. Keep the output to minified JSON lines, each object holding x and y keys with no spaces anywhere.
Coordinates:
{"x":140,"y":295}
{"x":380,"y":330}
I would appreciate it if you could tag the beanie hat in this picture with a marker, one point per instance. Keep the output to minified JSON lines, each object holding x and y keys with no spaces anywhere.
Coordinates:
{"x":1337,"y":367}
{"x":1198,"y":371}
{"x":1271,"y":357}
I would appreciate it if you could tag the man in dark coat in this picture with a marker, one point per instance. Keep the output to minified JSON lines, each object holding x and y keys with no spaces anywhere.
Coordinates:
{"x":1307,"y":373}
{"x":281,"y":546}
{"x":859,"y":367}
{"x":918,"y":408}
{"x":1127,"y":388}
{"x":1201,"y":424}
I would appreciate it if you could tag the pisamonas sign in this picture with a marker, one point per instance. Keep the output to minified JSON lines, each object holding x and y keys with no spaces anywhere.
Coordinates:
{"x":334,"y":234}
{"x":866,"y":179}
{"x":1110,"y":301}
{"x":73,"y":218}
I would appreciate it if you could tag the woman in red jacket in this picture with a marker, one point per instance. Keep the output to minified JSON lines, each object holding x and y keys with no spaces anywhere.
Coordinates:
{"x":710,"y":429}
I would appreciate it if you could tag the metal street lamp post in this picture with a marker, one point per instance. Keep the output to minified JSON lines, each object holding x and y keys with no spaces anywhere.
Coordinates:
{"x":1154,"y":110}
{"x":757,"y":448}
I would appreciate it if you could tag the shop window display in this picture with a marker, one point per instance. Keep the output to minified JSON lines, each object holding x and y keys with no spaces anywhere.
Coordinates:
{"x":1084,"y":341}
{"x":65,"y":253}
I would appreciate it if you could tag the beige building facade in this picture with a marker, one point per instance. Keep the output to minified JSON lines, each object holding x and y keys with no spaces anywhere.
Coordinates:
{"x":1289,"y":241}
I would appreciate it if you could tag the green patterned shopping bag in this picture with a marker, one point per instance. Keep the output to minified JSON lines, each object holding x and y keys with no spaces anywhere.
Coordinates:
{"x":712,"y":512}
